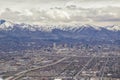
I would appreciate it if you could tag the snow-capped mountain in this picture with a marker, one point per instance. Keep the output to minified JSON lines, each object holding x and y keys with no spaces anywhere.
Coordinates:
{"x":7,"y":25}
{"x":16,"y":35}
{"x":113,"y":28}
{"x":78,"y":32}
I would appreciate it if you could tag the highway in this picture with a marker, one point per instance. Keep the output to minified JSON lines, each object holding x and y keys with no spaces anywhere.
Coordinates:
{"x":73,"y":66}
{"x":103,"y":69}
{"x":20,"y":74}
{"x":75,"y":77}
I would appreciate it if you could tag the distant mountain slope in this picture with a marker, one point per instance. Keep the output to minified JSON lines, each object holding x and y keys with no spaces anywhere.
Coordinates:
{"x":11,"y":33}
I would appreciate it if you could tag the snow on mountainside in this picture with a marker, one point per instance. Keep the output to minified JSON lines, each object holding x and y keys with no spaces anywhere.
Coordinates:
{"x":11,"y":33}
{"x":7,"y":25}
{"x":114,"y":28}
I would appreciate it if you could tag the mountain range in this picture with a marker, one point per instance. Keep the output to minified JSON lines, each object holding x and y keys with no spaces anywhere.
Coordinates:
{"x":11,"y":33}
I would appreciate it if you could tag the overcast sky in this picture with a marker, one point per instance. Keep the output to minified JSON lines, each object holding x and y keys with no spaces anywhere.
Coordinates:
{"x":97,"y":12}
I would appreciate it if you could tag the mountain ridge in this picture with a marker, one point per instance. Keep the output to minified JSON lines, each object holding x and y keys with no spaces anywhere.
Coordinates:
{"x":7,"y":25}
{"x":24,"y":36}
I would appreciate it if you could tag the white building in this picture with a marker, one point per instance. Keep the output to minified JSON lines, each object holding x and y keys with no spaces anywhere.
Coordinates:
{"x":57,"y":79}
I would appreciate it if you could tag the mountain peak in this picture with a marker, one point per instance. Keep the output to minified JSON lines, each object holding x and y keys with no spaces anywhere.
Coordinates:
{"x":2,"y":21}
{"x":114,"y":28}
{"x":6,"y":24}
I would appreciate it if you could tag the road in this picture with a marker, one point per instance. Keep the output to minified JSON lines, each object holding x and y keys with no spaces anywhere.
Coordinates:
{"x":75,"y":77}
{"x":103,"y":69}
{"x":20,"y":74}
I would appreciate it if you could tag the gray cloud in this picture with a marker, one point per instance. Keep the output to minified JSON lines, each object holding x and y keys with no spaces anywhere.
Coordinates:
{"x":63,"y":15}
{"x":61,"y":11}
{"x":28,"y":4}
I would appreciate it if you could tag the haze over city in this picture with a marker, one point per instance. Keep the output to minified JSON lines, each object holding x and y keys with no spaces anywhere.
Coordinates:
{"x":59,"y":39}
